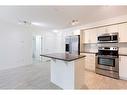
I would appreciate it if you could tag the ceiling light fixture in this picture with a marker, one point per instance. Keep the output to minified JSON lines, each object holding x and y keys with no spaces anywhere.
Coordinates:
{"x":74,"y":22}
{"x":25,"y":22}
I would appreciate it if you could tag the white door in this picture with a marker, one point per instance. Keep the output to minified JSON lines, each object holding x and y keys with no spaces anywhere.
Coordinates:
{"x":37,"y":46}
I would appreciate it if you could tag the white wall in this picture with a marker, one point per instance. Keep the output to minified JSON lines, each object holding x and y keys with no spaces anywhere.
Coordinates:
{"x":15,"y":45}
{"x":49,"y":41}
{"x":60,"y":42}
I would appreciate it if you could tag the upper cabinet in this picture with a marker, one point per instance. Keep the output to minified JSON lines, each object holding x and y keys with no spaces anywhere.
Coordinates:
{"x":107,"y":29}
{"x":122,"y":28}
{"x":86,"y":38}
{"x":112,"y":29}
{"x":101,"y":30}
{"x":93,"y":36}
{"x":90,"y":36}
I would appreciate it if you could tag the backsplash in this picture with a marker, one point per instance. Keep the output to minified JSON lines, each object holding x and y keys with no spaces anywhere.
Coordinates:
{"x":94,"y":47}
{"x":90,"y":47}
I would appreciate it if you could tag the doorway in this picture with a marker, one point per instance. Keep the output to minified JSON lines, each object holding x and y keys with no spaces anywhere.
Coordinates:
{"x":37,"y":48}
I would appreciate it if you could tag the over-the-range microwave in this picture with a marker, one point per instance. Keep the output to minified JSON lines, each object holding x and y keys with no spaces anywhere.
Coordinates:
{"x":108,"y":38}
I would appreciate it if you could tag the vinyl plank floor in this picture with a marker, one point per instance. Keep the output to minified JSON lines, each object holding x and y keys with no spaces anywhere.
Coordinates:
{"x":34,"y":76}
{"x":96,"y":81}
{"x":37,"y":76}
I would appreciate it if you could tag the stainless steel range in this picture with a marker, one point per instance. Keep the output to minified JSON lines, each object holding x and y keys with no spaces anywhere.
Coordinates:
{"x":107,"y":62}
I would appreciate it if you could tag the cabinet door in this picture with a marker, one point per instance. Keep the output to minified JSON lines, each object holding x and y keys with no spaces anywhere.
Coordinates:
{"x":123,"y":67}
{"x":112,"y":29}
{"x":90,"y":62}
{"x":122,"y":29}
{"x":101,"y":31}
{"x":90,"y":36}
{"x":93,"y":35}
{"x":86,"y":36}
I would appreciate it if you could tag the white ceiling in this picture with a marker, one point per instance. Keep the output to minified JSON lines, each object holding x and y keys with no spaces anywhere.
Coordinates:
{"x":60,"y":17}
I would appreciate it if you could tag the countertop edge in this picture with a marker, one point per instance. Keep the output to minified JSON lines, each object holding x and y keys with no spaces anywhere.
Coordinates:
{"x":89,"y":52}
{"x":122,"y":54}
{"x":63,"y":59}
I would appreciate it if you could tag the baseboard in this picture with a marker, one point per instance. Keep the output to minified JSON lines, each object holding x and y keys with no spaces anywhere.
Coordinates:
{"x":123,"y":78}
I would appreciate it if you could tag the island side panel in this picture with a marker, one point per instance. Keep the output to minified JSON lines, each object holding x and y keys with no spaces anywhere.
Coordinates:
{"x":62,"y":74}
{"x":79,"y":73}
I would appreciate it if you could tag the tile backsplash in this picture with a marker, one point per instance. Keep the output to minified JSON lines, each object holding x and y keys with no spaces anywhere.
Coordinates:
{"x":90,"y":47}
{"x":94,"y":47}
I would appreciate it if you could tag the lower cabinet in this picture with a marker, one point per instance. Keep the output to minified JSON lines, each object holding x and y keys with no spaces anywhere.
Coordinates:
{"x":89,"y":61}
{"x":123,"y":67}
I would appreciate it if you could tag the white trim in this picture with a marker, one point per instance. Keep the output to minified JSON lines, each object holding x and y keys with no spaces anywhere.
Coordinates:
{"x":123,"y":78}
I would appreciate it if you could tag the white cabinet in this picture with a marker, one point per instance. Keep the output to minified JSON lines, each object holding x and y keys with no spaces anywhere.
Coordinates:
{"x":90,"y":36}
{"x":112,"y":29}
{"x":101,"y":30}
{"x":86,"y":38}
{"x":93,"y":36}
{"x":107,"y":29}
{"x":122,"y":28}
{"x":89,"y":61}
{"x":123,"y":67}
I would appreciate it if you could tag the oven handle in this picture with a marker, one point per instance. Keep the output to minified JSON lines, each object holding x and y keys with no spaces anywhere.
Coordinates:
{"x":111,"y":57}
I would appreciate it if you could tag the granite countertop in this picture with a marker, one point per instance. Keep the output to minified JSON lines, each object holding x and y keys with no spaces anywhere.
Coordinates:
{"x":63,"y":56}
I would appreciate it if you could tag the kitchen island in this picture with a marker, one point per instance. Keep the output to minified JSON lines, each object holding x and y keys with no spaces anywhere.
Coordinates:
{"x":67,"y":70}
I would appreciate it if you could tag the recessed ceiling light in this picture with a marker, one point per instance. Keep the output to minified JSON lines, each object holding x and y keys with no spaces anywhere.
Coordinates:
{"x":55,"y":31}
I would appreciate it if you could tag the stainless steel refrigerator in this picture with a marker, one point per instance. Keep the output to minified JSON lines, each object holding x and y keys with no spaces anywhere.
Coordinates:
{"x":72,"y":44}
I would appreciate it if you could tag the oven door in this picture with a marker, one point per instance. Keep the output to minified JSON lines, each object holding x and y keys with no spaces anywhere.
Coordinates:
{"x":107,"y":63}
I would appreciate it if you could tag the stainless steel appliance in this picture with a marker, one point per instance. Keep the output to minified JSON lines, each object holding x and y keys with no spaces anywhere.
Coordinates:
{"x":108,"y":38}
{"x":72,"y":44}
{"x":107,"y":62}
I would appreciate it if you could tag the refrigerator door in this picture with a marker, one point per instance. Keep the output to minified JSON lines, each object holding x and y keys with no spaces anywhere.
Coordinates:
{"x":74,"y":45}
